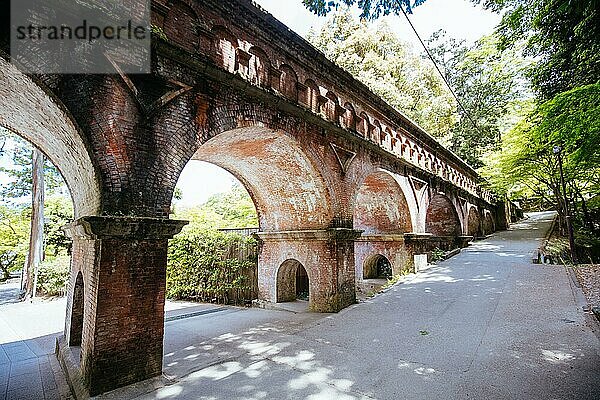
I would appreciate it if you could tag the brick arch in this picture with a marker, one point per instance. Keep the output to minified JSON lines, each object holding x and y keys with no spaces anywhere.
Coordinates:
{"x":331,"y":107}
{"x":312,"y":95}
{"x":364,"y":126}
{"x":374,"y":267}
{"x":473,"y":222}
{"x":380,"y":205}
{"x":376,"y":132}
{"x":349,"y":117}
{"x":180,"y":26}
{"x":288,"y":191}
{"x":441,"y":218}
{"x":488,"y":223}
{"x":288,"y":275}
{"x":30,"y":112}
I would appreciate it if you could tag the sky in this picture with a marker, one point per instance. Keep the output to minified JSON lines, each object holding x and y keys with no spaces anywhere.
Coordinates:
{"x":460,"y":18}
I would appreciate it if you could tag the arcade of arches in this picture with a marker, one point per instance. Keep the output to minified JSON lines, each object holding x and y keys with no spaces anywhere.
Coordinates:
{"x":333,"y":185}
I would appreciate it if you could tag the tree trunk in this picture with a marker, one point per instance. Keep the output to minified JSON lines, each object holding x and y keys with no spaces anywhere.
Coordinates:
{"x":36,"y":236}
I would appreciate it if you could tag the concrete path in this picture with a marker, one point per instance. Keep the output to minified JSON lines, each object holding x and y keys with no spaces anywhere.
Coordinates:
{"x":484,"y":324}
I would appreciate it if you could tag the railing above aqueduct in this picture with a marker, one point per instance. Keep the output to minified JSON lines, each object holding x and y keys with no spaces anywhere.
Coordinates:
{"x":243,"y":39}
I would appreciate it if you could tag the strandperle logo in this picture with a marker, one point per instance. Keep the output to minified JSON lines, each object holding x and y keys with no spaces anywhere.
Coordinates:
{"x":83,"y":36}
{"x":85,"y":31}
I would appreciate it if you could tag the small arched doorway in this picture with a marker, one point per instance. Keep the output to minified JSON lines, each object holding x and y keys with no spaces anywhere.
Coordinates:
{"x":377,"y":267}
{"x":76,"y":332}
{"x":292,"y":282}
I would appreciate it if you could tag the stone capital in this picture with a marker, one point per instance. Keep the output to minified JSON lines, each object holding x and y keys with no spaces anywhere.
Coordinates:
{"x":130,"y":228}
{"x":333,"y":234}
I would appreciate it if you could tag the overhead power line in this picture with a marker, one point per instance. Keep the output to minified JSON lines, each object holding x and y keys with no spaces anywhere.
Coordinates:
{"x":439,"y":70}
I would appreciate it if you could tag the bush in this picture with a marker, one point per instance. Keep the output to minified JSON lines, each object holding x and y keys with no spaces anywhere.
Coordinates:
{"x":53,"y":276}
{"x":208,"y":265}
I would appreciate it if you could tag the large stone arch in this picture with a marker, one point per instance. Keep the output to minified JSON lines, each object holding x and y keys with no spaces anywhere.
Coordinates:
{"x":488,"y":224}
{"x":30,"y":112}
{"x":473,"y":223}
{"x":288,"y":191}
{"x":380,"y":205}
{"x":382,"y":212}
{"x":441,"y":218}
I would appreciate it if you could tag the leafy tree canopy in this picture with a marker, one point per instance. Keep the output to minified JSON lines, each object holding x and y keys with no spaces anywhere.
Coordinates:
{"x":19,"y":169}
{"x":528,"y":163}
{"x":563,"y":35}
{"x":370,"y":9}
{"x":491,"y":85}
{"x":232,"y":209}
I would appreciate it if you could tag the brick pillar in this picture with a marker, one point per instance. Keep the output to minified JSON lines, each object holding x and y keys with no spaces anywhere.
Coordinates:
{"x":123,"y":264}
{"x":328,"y":257}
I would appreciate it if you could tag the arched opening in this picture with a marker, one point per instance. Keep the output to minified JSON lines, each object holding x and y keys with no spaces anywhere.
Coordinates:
{"x":292,"y":282}
{"x":489,"y":226}
{"x":441,"y":217}
{"x":473,"y":223}
{"x":260,"y":67}
{"x":382,"y":213}
{"x":288,"y":82}
{"x":380,"y":206}
{"x":32,"y":114}
{"x":284,"y":191}
{"x":289,"y":193}
{"x":377,"y":267}
{"x":77,"y":308}
{"x":214,"y":258}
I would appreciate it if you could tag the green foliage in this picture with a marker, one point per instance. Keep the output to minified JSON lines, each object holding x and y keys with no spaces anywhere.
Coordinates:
{"x":20,"y":170}
{"x":58,"y":211}
{"x":14,"y":239}
{"x":207,"y":265}
{"x":563,"y":36}
{"x":53,"y":276}
{"x":528,"y":165}
{"x":374,"y":55}
{"x":437,"y":254}
{"x":491,"y":86}
{"x":232,"y":209}
{"x":370,"y":9}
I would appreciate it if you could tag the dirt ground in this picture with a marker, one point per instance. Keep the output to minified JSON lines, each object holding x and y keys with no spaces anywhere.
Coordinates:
{"x":589,"y":279}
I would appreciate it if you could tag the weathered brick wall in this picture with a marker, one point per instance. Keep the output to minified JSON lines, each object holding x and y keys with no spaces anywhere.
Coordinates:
{"x":327,"y":257}
{"x":393,"y":249}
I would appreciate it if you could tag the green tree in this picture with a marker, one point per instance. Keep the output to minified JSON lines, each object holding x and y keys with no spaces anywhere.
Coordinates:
{"x":374,"y":55}
{"x":491,"y":85}
{"x":528,"y":165}
{"x":370,"y":9}
{"x":58,"y":211}
{"x":14,"y":234}
{"x":232,"y":209}
{"x":562,"y":35}
{"x":20,"y":169}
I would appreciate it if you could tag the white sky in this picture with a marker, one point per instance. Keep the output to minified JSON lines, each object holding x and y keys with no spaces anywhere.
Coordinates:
{"x":460,"y":18}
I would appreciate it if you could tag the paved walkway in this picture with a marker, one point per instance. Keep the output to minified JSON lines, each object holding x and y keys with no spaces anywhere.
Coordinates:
{"x":484,"y":324}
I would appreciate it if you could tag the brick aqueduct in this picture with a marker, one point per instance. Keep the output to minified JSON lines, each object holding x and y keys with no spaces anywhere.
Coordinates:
{"x":337,"y":175}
